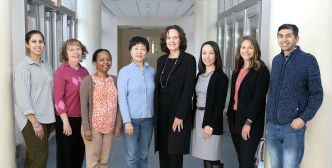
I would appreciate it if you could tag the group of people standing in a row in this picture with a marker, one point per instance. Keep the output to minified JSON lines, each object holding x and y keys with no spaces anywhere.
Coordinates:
{"x":185,"y":110}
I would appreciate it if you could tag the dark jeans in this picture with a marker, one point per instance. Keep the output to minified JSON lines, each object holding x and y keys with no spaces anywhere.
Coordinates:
{"x":37,"y":150}
{"x":70,"y":149}
{"x":170,"y":160}
{"x":245,"y":149}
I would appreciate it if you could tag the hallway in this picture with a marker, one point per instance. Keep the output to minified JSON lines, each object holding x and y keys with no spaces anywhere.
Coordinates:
{"x":116,"y":160}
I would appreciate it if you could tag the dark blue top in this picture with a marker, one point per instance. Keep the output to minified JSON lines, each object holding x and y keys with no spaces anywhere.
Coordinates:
{"x":295,"y":88}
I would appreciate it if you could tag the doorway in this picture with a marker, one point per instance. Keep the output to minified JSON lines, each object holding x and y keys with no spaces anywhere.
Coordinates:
{"x":151,"y":34}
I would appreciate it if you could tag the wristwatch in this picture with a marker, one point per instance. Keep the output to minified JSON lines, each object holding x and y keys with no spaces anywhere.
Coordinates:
{"x":248,"y":122}
{"x":210,"y":128}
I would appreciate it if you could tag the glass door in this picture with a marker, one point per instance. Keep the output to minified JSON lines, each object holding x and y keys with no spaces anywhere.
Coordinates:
{"x":229,"y":42}
{"x":48,"y":23}
{"x":252,"y":28}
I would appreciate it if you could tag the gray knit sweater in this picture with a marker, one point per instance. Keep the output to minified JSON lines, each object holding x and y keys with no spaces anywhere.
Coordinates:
{"x":295,"y":88}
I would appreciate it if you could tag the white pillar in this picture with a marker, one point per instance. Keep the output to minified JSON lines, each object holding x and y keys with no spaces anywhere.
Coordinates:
{"x":206,"y":16}
{"x":89,"y":28}
{"x":314,"y":21}
{"x":7,"y":141}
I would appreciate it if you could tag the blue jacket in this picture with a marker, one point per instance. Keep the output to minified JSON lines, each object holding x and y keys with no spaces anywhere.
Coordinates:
{"x":295,"y":88}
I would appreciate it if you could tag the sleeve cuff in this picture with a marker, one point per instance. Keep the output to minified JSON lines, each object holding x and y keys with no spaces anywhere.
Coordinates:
{"x":28,"y":111}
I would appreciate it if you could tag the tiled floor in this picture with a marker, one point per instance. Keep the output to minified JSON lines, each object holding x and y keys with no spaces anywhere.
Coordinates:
{"x":116,"y":160}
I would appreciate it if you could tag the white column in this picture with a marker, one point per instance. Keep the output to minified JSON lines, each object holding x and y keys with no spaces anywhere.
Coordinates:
{"x":89,"y":28}
{"x":314,"y":21}
{"x":7,"y":141}
{"x":206,"y":16}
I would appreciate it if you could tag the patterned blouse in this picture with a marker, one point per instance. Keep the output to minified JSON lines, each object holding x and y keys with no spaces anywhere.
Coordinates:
{"x":105,"y":97}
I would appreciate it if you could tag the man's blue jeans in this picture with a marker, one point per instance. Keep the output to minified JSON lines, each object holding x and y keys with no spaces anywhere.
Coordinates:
{"x":136,"y":146}
{"x":285,"y":145}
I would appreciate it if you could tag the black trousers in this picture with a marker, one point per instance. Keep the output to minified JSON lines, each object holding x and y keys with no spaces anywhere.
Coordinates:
{"x":70,"y":149}
{"x":245,"y":150}
{"x":170,"y":160}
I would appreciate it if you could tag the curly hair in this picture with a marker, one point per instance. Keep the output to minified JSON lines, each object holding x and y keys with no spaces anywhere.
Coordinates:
{"x":255,"y":61}
{"x":72,"y":42}
{"x":182,"y":35}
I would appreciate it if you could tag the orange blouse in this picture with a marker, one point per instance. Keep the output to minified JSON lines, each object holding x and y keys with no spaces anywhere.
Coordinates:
{"x":105,"y":102}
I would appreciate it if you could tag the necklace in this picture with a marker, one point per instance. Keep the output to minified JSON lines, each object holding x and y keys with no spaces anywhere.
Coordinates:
{"x":204,"y":75}
{"x":162,"y":73}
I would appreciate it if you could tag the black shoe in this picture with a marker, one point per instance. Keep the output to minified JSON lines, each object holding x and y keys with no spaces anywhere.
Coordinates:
{"x":220,"y":165}
{"x":207,"y":164}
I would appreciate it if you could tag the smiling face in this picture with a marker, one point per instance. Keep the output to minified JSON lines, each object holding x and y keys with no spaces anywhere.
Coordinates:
{"x":208,"y":55}
{"x":173,"y":40}
{"x":35,"y":45}
{"x":287,"y":40}
{"x":103,"y":62}
{"x":247,"y":50}
{"x":74,"y":53}
{"x":138,"y":53}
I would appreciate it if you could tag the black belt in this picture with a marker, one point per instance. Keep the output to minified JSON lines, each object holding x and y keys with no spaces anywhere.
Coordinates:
{"x":200,"y":108}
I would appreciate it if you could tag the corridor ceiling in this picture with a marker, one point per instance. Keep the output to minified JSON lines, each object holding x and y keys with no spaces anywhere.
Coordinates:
{"x":150,"y":8}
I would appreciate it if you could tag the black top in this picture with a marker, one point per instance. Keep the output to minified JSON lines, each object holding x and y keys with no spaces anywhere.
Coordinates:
{"x":251,"y":101}
{"x":168,"y":68}
{"x":179,"y":92}
{"x":215,"y":102}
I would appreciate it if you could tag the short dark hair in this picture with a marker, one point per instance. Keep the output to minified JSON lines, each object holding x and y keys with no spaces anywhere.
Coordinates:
{"x":292,"y":27}
{"x":95,"y":54}
{"x":71,"y":42}
{"x":182,"y":35}
{"x":217,"y":62}
{"x":139,"y":40}
{"x":31,"y":33}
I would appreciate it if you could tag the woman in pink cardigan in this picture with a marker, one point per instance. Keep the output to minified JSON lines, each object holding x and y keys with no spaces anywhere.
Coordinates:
{"x":67,"y":82}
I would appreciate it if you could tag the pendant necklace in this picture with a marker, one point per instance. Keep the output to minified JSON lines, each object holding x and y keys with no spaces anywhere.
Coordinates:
{"x":162,"y":73}
{"x":204,"y":75}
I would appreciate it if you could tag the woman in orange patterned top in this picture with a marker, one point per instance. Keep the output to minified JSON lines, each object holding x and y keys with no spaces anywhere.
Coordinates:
{"x":101,"y":119}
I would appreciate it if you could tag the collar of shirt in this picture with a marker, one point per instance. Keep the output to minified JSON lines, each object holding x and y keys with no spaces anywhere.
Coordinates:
{"x":146,"y":65}
{"x":30,"y":61}
{"x":66,"y":64}
{"x":297,"y":48}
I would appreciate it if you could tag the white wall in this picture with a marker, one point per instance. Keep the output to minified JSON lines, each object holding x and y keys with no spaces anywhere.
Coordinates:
{"x":110,"y":33}
{"x":7,"y":142}
{"x":89,"y":28}
{"x":18,"y":42}
{"x":206,"y":16}
{"x":314,"y":20}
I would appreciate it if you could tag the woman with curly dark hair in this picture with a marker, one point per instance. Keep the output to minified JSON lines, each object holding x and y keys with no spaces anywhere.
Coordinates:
{"x":175,"y":82}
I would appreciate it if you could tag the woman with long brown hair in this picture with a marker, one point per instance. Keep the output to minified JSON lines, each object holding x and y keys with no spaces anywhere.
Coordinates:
{"x":246,"y":109}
